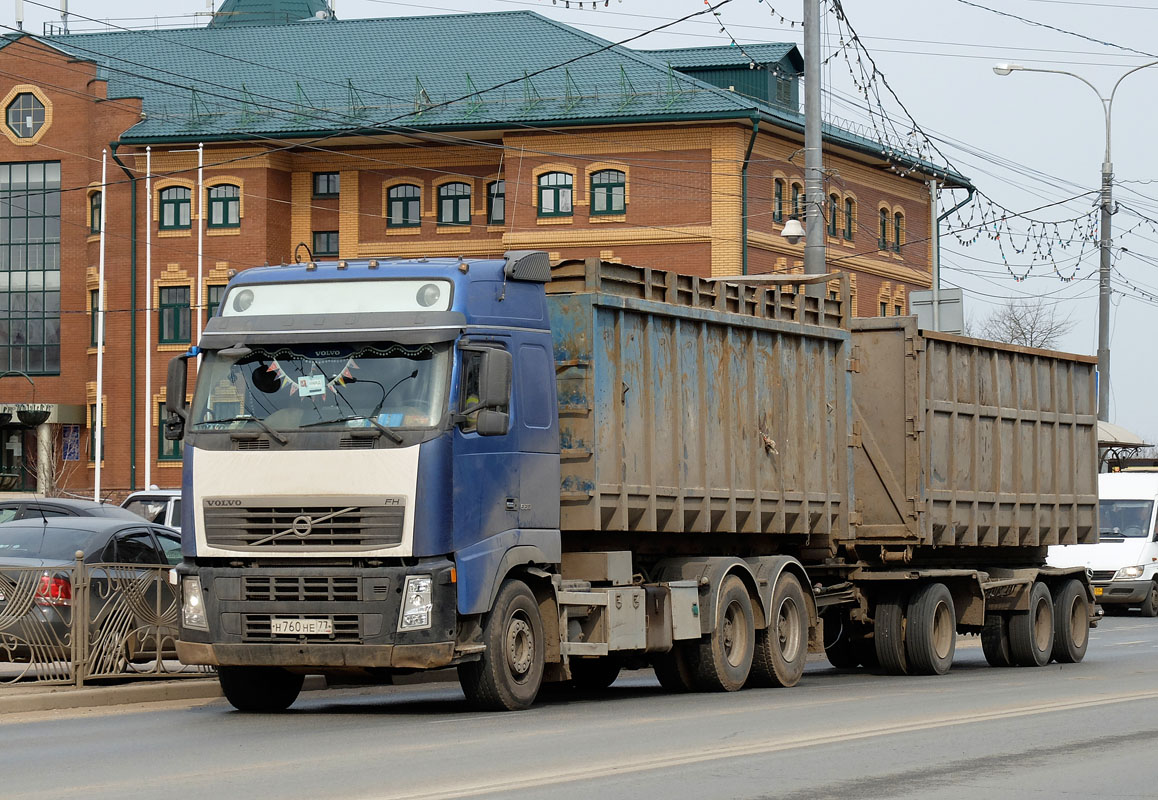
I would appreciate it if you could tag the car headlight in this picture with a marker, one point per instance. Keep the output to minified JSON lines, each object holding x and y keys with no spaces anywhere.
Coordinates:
{"x":193,"y":605}
{"x":1125,"y":573}
{"x":416,"y":603}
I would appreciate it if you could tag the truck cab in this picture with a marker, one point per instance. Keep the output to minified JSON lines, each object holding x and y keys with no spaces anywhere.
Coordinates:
{"x":1124,"y":562}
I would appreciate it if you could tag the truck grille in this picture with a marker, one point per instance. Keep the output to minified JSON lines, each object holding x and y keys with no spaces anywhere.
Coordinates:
{"x":347,"y":628}
{"x":1102,"y":574}
{"x":300,"y":589}
{"x":337,"y":527}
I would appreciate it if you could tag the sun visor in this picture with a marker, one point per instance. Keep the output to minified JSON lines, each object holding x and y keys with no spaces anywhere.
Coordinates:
{"x":402,"y":327}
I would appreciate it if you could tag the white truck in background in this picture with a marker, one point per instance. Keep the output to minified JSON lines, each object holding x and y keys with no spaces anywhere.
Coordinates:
{"x":1124,"y":563}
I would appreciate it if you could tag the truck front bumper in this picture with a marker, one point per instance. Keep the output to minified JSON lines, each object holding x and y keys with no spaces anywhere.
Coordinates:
{"x":1129,"y":593}
{"x":402,"y":656}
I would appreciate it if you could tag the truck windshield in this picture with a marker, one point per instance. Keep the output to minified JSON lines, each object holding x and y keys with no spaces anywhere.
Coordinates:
{"x":289,"y":387}
{"x":1129,"y":518}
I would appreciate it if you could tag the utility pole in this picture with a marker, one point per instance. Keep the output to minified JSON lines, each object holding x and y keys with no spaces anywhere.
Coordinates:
{"x":814,"y":258}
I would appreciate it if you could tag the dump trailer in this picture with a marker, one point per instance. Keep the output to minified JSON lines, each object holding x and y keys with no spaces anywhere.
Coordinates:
{"x":541,"y":473}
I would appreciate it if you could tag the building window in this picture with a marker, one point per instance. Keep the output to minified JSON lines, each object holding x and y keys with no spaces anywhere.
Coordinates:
{"x":94,"y":212}
{"x":402,"y":206}
{"x":608,"y":192}
{"x":555,"y":194}
{"x":224,"y":206}
{"x":454,"y":204}
{"x":833,"y":214}
{"x":92,"y":423}
{"x":777,"y":200}
{"x":166,"y":450}
{"x":176,"y":208}
{"x":883,"y":240}
{"x":213,"y":299}
{"x":898,"y":310}
{"x":325,"y":243}
{"x":884,"y":309}
{"x":174,"y":314}
{"x":849,"y":216}
{"x":326,"y":184}
{"x":30,"y":267}
{"x":797,"y":199}
{"x":497,"y":203}
{"x":898,"y":231}
{"x":25,"y":115}
{"x":94,"y":298}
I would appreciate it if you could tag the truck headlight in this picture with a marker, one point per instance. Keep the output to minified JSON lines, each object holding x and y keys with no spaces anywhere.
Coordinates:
{"x":1125,"y":573}
{"x":193,"y":605}
{"x":416,"y":603}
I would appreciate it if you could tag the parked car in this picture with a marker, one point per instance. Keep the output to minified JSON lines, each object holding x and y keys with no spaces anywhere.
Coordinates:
{"x":42,"y":508}
{"x":162,"y":506}
{"x":125,"y":604}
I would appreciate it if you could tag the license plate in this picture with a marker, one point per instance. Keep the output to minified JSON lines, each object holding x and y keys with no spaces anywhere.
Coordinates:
{"x":1098,"y":591}
{"x":294,"y":626}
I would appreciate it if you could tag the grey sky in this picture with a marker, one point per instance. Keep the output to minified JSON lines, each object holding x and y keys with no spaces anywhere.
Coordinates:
{"x":1026,"y":140}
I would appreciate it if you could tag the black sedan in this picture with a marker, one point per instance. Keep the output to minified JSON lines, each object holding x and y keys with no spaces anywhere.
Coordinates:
{"x":55,"y":507}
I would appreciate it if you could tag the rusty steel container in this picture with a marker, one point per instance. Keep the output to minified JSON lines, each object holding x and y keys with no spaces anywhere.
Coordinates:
{"x":963,"y":442}
{"x":689,"y":405}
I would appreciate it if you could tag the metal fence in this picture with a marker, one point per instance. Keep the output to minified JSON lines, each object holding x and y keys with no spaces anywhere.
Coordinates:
{"x":72,"y":623}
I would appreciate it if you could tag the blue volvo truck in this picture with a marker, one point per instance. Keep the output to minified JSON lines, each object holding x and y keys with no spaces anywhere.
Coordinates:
{"x":539,"y":473}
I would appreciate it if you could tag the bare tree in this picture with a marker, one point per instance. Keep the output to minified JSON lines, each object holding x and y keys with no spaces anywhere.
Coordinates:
{"x":49,"y":469}
{"x":1029,"y":323}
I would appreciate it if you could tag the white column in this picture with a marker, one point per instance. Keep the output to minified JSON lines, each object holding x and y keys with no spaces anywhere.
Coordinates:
{"x":98,"y":432}
{"x":45,"y":479}
{"x":149,"y":317}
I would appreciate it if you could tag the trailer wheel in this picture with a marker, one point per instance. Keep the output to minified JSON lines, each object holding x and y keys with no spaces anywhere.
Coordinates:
{"x":723,"y":659}
{"x":508,"y":676}
{"x":259,"y":689}
{"x":672,"y":670}
{"x":1150,"y":604}
{"x":931,"y":630}
{"x":889,"y":635}
{"x":995,"y":641}
{"x":594,"y":674}
{"x":1071,"y":623}
{"x":782,"y":647}
{"x":1031,"y":633}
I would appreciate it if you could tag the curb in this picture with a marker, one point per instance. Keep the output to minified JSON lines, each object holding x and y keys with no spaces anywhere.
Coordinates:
{"x":50,"y":698}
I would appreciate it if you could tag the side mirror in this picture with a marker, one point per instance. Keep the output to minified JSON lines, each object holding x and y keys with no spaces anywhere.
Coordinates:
{"x":495,"y":379}
{"x":492,"y":423}
{"x":175,"y":385}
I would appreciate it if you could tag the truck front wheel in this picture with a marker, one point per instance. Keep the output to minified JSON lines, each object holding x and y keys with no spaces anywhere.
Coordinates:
{"x":508,"y":676}
{"x":724,"y":658}
{"x":259,"y":689}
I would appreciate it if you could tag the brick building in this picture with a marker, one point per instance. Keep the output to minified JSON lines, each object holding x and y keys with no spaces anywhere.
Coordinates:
{"x":456,"y":135}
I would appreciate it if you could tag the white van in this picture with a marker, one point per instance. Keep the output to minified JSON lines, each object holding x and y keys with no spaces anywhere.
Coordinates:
{"x":162,"y":506}
{"x":1124,"y":563}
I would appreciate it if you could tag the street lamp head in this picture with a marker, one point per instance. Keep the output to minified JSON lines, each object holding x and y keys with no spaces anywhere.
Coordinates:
{"x":1005,"y":69}
{"x":793,"y":231}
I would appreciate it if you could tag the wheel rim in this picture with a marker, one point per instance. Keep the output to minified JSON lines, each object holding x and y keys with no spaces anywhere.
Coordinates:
{"x":520,"y":646}
{"x":1079,"y":626}
{"x":734,"y":634}
{"x":1041,"y":626}
{"x":788,"y":629}
{"x":943,"y":631}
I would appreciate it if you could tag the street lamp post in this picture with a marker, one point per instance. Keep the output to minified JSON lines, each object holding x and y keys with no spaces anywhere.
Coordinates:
{"x":1107,"y":203}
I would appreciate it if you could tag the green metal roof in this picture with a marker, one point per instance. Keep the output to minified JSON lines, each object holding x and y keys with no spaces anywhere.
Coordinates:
{"x":438,"y":73}
{"x":727,"y":56}
{"x":268,"y":12}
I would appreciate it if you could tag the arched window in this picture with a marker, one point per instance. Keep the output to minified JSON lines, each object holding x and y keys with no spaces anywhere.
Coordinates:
{"x":224,"y":206}
{"x":94,"y":212}
{"x":555,"y":194}
{"x":883,"y":240}
{"x":402,"y":206}
{"x":898,"y":231}
{"x":454,"y":204}
{"x":797,"y":199}
{"x":778,"y":200}
{"x":608,"y":192}
{"x":833,"y":214}
{"x":175,"y":208}
{"x":497,"y":203}
{"x":849,"y":217}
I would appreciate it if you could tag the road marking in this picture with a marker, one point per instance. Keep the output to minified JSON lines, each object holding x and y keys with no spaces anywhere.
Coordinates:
{"x":613,"y":768}
{"x":1123,"y":644}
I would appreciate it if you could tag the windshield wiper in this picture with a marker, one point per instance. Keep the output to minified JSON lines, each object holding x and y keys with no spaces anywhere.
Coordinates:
{"x":249,"y":418}
{"x":390,"y":432}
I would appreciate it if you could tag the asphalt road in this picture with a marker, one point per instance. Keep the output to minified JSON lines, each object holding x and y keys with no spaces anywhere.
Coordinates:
{"x":1082,"y":731}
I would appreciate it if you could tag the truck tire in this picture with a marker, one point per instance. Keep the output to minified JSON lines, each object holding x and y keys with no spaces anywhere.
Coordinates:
{"x":723,"y":659}
{"x":508,"y":676}
{"x":1071,"y":623}
{"x":672,"y":670}
{"x":1150,"y":604}
{"x":782,"y":647}
{"x":995,"y":641}
{"x":263,"y":690}
{"x":1031,"y":633}
{"x":843,"y":651}
{"x":594,"y":674}
{"x":889,"y":636}
{"x":931,"y":630}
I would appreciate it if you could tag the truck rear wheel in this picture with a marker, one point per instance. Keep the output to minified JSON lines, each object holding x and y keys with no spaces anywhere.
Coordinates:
{"x":889,"y":635}
{"x":1031,"y":633}
{"x":723,"y":659}
{"x":1071,"y":623}
{"x":672,"y":670}
{"x":931,"y":630}
{"x":259,"y":689}
{"x":782,"y":647}
{"x":508,"y":676}
{"x":995,"y":641}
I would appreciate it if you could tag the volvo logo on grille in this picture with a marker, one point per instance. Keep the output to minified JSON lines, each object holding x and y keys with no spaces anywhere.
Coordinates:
{"x":302,"y":526}
{"x":223,"y":502}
